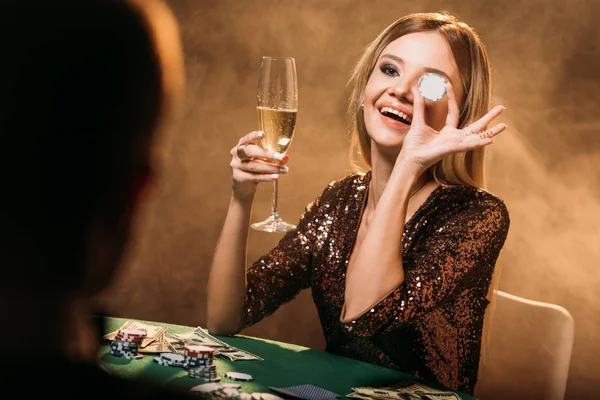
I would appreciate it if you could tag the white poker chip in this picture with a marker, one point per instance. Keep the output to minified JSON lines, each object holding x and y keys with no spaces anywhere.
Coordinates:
{"x":238,"y":376}
{"x":432,"y":86}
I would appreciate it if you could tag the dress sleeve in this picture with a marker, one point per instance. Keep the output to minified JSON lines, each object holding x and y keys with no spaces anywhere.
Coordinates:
{"x":278,"y":277}
{"x":458,"y":254}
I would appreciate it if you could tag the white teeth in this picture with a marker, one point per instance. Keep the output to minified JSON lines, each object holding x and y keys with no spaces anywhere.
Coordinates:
{"x":398,"y":113}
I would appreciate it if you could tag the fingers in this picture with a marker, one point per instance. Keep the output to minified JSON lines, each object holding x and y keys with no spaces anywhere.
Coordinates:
{"x":247,"y":148}
{"x":453,"y":110}
{"x":481,"y":138}
{"x":418,"y":117}
{"x":251,"y":138}
{"x":252,"y":151}
{"x":251,"y":163}
{"x":484,"y":121}
{"x":246,"y":177}
{"x":261,"y":167}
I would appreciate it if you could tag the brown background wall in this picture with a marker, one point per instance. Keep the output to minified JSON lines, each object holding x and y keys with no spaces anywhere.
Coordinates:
{"x":546,"y":61}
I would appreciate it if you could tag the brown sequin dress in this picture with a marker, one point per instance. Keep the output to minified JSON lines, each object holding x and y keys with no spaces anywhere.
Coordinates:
{"x":431,"y":325}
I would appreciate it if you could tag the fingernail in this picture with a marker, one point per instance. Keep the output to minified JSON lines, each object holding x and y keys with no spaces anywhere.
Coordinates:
{"x":260,"y":134}
{"x":274,"y":176}
{"x":283,"y":169}
{"x":278,"y":156}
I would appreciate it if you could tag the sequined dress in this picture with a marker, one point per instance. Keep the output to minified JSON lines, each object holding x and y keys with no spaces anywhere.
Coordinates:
{"x":429,"y":326}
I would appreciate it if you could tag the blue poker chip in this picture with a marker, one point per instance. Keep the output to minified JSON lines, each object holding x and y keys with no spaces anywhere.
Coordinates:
{"x":123,"y":353}
{"x":201,"y":372}
{"x":159,"y":361}
{"x":172,"y":359}
{"x":194,"y":364}
{"x":124,"y":346}
{"x":204,"y":368}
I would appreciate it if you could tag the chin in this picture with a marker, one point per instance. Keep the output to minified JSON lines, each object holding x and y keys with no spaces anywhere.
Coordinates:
{"x":387,"y":138}
{"x":386,"y":149}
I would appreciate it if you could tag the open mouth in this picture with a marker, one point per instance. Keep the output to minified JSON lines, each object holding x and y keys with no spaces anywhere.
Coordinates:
{"x":395,"y":115}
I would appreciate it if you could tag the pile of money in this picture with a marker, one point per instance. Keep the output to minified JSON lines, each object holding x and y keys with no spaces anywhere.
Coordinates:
{"x":407,"y":390}
{"x":158,"y":340}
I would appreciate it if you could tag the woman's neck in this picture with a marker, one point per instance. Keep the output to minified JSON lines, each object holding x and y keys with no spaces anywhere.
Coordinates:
{"x":381,"y":171}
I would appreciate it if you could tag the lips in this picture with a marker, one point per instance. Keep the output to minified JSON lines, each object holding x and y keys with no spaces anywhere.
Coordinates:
{"x":395,"y":115}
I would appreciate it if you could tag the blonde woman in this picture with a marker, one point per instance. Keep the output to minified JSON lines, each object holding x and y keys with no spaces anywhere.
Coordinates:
{"x":400,"y":257}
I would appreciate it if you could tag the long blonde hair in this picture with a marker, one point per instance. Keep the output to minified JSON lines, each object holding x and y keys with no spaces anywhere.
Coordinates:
{"x":474,"y":68}
{"x":475,"y":72}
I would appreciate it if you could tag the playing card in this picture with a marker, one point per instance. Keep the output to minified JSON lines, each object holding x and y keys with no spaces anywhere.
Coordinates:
{"x":307,"y":392}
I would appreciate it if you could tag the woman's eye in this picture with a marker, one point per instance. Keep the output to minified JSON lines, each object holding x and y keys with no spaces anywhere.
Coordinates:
{"x":388,"y":70}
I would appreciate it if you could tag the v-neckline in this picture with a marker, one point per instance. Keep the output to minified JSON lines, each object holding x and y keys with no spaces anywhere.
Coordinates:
{"x":418,"y":211}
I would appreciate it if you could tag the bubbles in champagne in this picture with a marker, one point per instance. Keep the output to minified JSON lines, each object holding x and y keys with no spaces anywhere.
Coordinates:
{"x":279,"y":126}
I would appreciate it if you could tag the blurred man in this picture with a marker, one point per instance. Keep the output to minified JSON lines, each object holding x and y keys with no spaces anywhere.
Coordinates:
{"x":85,"y":88}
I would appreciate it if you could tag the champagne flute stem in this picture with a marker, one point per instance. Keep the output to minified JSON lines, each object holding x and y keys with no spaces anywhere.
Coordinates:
{"x":275,"y":199}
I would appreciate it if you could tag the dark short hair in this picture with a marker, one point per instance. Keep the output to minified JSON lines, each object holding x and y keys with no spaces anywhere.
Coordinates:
{"x":80,"y":90}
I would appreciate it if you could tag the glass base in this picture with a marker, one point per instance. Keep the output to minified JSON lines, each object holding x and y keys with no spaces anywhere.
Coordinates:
{"x":273,"y":223}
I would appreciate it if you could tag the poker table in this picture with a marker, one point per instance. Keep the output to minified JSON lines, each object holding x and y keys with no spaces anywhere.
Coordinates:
{"x":283,"y":364}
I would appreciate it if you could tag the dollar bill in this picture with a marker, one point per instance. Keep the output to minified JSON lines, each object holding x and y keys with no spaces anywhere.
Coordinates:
{"x":407,"y":390}
{"x":153,"y":332}
{"x":158,"y":340}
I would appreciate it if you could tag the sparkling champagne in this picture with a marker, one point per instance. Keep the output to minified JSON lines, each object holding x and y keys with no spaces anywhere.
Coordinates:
{"x":279,"y":126}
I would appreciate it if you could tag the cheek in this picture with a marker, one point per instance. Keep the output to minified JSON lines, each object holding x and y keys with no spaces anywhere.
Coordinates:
{"x":374,"y":88}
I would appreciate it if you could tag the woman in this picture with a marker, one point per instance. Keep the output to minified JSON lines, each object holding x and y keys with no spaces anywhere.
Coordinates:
{"x":399,"y":258}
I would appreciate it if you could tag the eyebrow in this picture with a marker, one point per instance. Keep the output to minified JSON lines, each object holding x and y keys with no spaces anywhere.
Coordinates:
{"x":428,"y":69}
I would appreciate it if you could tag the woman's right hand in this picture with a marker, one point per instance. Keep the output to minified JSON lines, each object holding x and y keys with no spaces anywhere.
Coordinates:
{"x":251,"y":164}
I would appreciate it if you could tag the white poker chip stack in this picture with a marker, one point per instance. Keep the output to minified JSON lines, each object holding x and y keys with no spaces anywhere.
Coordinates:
{"x":198,"y":360}
{"x":127,"y":342}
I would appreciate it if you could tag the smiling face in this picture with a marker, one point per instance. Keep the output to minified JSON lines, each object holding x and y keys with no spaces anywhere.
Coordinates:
{"x":388,"y":99}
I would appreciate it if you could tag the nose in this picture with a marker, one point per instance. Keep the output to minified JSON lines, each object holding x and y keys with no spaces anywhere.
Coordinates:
{"x":401,"y":89}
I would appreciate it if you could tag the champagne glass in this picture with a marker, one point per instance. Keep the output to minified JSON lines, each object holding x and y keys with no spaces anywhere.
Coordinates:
{"x":277,"y":106}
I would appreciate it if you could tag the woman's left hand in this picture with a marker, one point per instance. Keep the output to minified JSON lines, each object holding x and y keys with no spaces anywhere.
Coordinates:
{"x":424,"y":146}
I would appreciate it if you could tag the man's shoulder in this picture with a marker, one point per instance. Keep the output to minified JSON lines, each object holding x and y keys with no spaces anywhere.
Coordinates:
{"x":63,"y":378}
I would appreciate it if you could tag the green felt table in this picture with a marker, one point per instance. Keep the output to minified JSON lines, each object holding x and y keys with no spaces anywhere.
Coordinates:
{"x":284,"y":364}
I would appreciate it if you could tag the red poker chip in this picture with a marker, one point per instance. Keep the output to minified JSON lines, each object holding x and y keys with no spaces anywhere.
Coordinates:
{"x":198,"y":351}
{"x":132,"y":332}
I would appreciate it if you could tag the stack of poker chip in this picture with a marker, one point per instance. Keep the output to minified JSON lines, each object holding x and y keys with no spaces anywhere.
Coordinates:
{"x":127,"y":342}
{"x":198,"y":360}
